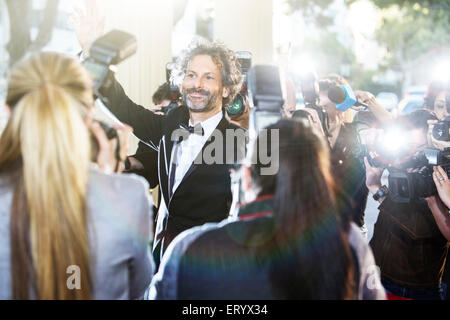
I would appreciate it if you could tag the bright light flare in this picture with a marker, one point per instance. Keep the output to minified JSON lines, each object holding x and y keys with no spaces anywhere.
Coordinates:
{"x":303,"y":66}
{"x":441,"y":72}
{"x":394,"y":140}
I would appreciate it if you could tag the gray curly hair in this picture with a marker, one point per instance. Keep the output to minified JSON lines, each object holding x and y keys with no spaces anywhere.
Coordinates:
{"x":225,"y":59}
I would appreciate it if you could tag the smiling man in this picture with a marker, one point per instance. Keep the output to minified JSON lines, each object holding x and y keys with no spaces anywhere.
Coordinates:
{"x":193,"y":192}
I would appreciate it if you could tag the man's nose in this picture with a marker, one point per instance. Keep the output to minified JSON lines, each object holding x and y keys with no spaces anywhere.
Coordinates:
{"x":198,"y":83}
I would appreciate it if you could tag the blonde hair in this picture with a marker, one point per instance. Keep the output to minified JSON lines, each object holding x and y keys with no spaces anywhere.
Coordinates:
{"x":45,"y":147}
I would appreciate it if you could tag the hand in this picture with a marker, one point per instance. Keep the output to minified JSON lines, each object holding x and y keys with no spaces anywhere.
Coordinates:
{"x":88,"y":25}
{"x":107,"y":157}
{"x":373,"y":177}
{"x":314,"y":120}
{"x":157,"y":109}
{"x":378,"y":110}
{"x":366,"y":98}
{"x":442,"y":184}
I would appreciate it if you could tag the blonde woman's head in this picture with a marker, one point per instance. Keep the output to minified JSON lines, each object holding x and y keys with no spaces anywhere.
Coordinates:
{"x":46,"y":143}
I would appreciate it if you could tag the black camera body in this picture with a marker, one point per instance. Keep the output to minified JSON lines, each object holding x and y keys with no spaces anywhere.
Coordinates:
{"x":238,"y":106}
{"x":441,"y":130}
{"x":265,"y":96}
{"x":310,"y":90}
{"x":111,"y":133}
{"x":107,"y":51}
{"x":407,"y":186}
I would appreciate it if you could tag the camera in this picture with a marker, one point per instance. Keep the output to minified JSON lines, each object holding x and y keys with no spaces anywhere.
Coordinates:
{"x":265,"y":95}
{"x":310,"y":91}
{"x":107,"y":51}
{"x":266,"y":101}
{"x":110,"y":133}
{"x":410,"y":173}
{"x":407,"y":186}
{"x":441,"y":130}
{"x":238,"y":106}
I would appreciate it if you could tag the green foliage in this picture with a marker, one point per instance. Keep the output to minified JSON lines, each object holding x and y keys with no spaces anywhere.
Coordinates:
{"x":408,"y":35}
{"x":312,"y":11}
{"x":434,"y":4}
{"x":409,"y":30}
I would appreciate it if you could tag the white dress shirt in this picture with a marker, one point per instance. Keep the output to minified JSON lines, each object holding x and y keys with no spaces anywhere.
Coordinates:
{"x":190,"y":148}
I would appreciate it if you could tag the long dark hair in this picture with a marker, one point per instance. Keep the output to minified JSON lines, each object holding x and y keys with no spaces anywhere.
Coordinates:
{"x":311,"y":257}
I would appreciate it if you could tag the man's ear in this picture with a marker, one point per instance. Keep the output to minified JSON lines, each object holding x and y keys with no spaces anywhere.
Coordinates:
{"x":225,"y":92}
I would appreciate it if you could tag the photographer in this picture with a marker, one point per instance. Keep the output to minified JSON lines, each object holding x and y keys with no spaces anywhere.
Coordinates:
{"x":288,"y":242}
{"x":435,"y":100}
{"x":408,"y":242}
{"x":343,"y":138}
{"x":58,"y":211}
{"x":439,"y":175}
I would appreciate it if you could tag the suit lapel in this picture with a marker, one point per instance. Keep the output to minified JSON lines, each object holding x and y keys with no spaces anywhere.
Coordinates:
{"x":165,"y":159}
{"x":194,"y":166}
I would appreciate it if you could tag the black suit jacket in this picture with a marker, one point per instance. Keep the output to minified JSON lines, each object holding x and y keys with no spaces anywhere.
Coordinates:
{"x":204,"y":195}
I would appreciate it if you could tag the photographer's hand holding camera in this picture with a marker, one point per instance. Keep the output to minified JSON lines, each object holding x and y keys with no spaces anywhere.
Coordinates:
{"x":111,"y":153}
{"x":410,"y":240}
{"x":373,"y":179}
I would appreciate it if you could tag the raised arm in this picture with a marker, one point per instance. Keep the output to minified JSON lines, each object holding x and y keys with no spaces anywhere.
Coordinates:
{"x":89,"y":25}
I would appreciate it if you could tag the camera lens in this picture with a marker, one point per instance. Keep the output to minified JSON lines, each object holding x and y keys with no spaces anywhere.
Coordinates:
{"x":237,"y":106}
{"x":440,"y":131}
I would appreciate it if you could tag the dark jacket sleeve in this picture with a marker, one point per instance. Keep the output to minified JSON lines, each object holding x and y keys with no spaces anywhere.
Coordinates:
{"x":147,"y":126}
{"x":149,"y":159}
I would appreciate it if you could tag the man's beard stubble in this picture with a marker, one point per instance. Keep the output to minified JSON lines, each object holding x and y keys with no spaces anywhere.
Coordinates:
{"x":210,"y":101}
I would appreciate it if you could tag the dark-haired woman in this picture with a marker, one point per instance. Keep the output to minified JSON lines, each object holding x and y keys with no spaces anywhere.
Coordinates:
{"x":288,"y":243}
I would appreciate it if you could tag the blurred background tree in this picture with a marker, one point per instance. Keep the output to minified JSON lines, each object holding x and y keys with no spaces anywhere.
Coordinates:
{"x":413,"y":36}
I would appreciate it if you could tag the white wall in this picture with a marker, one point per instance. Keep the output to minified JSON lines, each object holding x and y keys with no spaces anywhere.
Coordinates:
{"x":246,"y":25}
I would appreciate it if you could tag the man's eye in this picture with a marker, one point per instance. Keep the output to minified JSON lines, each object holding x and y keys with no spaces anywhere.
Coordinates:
{"x":190,"y":75}
{"x":210,"y":78}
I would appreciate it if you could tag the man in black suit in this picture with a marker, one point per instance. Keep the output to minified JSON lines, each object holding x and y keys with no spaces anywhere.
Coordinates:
{"x":197,"y":145}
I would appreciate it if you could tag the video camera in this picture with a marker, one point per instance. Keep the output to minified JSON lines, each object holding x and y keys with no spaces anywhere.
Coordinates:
{"x":406,"y":186}
{"x":441,"y":129}
{"x":396,"y":157}
{"x":106,"y":52}
{"x":238,"y":106}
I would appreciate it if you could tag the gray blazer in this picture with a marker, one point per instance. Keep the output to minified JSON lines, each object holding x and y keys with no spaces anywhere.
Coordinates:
{"x":120,"y":222}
